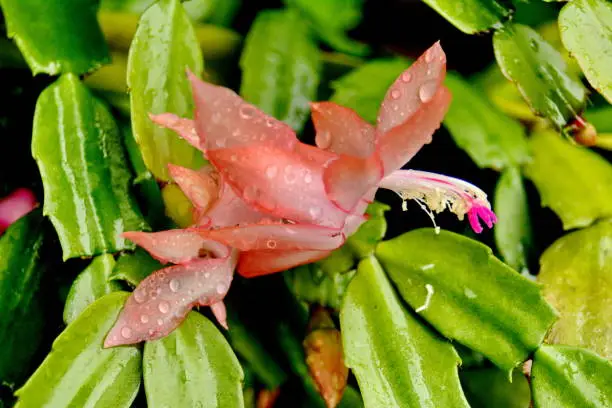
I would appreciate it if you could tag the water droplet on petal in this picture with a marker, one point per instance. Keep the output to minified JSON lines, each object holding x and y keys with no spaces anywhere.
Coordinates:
{"x":271,"y":172}
{"x":160,"y":322}
{"x":427,"y":91}
{"x":140,"y":295}
{"x":271,"y":244}
{"x":395,"y":107}
{"x":308,"y":178}
{"x":428,"y":57}
{"x":144,"y":318}
{"x":126,"y":332}
{"x":396,"y":93}
{"x":406,"y":76}
{"x":247,"y":111}
{"x":221,"y":288}
{"x":323,"y":139}
{"x":163,"y":307}
{"x":314,"y":212}
{"x":220,"y":142}
{"x":270,"y":122}
{"x":233,"y":158}
{"x":290,"y":175}
{"x":174,"y":285}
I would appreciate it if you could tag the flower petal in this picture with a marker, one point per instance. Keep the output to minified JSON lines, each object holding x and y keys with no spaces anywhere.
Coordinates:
{"x":223,"y":119}
{"x":176,"y":246}
{"x":414,"y":88}
{"x":220,"y":313}
{"x":161,"y":301}
{"x":185,"y":128}
{"x":265,"y":262}
{"x":230,"y":210}
{"x":397,"y":146}
{"x":341,"y":130}
{"x":279,"y":182}
{"x":201,"y":187}
{"x":439,"y":192}
{"x":14,"y":206}
{"x":275,"y":236}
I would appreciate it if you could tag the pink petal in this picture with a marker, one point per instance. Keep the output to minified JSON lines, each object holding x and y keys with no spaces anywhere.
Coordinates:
{"x":16,"y":205}
{"x":278,"y":182}
{"x":184,"y":127}
{"x":485,"y":213}
{"x":414,"y":88}
{"x":397,"y":146}
{"x":220,"y":313}
{"x":176,"y":246}
{"x":224,"y":120}
{"x":230,"y":210}
{"x":201,"y":187}
{"x":161,"y":301}
{"x":275,"y":236}
{"x":348,"y":178}
{"x":341,"y":130}
{"x":265,"y":262}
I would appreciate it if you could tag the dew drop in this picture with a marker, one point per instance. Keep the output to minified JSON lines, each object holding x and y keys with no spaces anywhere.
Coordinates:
{"x":426,"y":91}
{"x":140,"y":295}
{"x":247,"y":111}
{"x":406,"y":76}
{"x":126,"y":332}
{"x":271,"y":244}
{"x":395,"y":107}
{"x":144,"y":318}
{"x":428,"y":57}
{"x":163,"y":307}
{"x":221,"y":288}
{"x":151,"y":332}
{"x":233,"y":158}
{"x":290,"y":174}
{"x":220,"y":142}
{"x":271,"y":172}
{"x":308,"y":178}
{"x":396,"y":93}
{"x":270,"y":122}
{"x":315,"y":212}
{"x":206,"y":275}
{"x":174,"y":285}
{"x":323,"y":139}
{"x":160,"y":322}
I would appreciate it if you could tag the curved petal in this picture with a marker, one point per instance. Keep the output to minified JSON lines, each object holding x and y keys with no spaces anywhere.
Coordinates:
{"x":397,"y":146}
{"x":230,"y":210}
{"x":440,"y":192}
{"x":176,"y":246}
{"x":341,"y":130}
{"x":265,"y":262}
{"x":223,"y":119}
{"x":414,"y":88}
{"x":278,"y":182}
{"x":184,"y":127}
{"x":201,"y":187}
{"x":161,"y":301}
{"x":16,"y":205}
{"x":275,"y":236}
{"x":220,"y":313}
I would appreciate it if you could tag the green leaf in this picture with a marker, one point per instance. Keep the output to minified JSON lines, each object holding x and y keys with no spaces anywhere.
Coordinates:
{"x":363,"y":242}
{"x":540,"y":73}
{"x":164,"y":45}
{"x":280,"y":66}
{"x":78,"y":149}
{"x":397,"y":360}
{"x":569,"y":377}
{"x":487,"y":386}
{"x":79,"y":372}
{"x":331,"y":19}
{"x":134,"y":267}
{"x":91,"y":284}
{"x":489,"y":137}
{"x":21,"y":312}
{"x":572,"y":180}
{"x":586,"y":32}
{"x":576,"y":279}
{"x":472,"y":16}
{"x":601,"y":118}
{"x":56,"y":38}
{"x":193,"y":366}
{"x":311,"y":284}
{"x":513,"y":233}
{"x":468,"y":295}
{"x":364,"y":88}
{"x":351,"y":399}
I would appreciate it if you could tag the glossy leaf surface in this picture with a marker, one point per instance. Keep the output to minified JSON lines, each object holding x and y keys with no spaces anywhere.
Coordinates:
{"x":572,"y":180}
{"x":21,"y":312}
{"x":471,"y":296}
{"x":540,"y":73}
{"x":78,"y":149}
{"x":492,"y":139}
{"x":586,"y":31}
{"x":568,"y":377}
{"x":280,"y":67}
{"x":397,"y":360}
{"x":513,"y":232}
{"x":576,"y":279}
{"x":487,"y":386}
{"x":51,"y":40}
{"x":133,"y":267}
{"x":78,"y":372}
{"x":193,"y":366}
{"x":311,"y":284}
{"x":472,"y":16}
{"x":91,"y":284}
{"x":164,"y":46}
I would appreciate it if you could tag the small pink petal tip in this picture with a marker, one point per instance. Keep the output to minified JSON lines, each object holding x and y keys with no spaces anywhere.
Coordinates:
{"x":16,"y":205}
{"x":478,"y":213}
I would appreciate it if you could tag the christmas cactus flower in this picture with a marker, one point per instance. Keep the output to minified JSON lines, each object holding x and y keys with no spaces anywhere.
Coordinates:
{"x":268,"y":202}
{"x":14,"y":206}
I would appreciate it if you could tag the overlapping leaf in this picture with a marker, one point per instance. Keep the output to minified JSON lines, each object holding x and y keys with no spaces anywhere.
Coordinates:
{"x":78,"y":149}
{"x":472,"y":16}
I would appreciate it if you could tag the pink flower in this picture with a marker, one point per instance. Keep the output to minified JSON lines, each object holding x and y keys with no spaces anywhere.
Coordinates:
{"x":14,"y":206}
{"x":268,"y":202}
